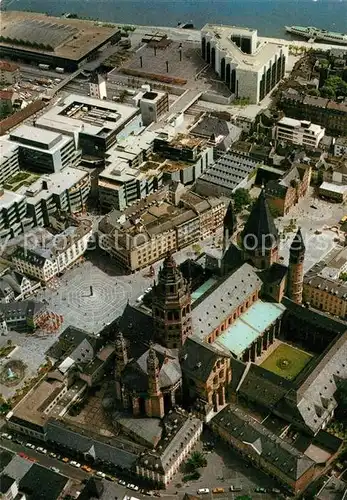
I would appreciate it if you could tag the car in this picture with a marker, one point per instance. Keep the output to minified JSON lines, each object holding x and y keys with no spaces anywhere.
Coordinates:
{"x":77,"y":465}
{"x":215,"y":491}
{"x":55,"y":469}
{"x":53,"y":455}
{"x":4,"y":435}
{"x":276,"y":490}
{"x":86,"y":468}
{"x":122,"y":482}
{"x":101,"y":474}
{"x":133,"y":487}
{"x":39,"y":449}
{"x":22,"y":454}
{"x":260,"y":490}
{"x":203,"y":491}
{"x":66,"y":460}
{"x":235,"y":488}
{"x":73,"y":462}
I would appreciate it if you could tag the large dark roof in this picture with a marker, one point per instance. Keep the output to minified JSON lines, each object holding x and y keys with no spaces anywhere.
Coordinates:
{"x":5,"y":483}
{"x":230,"y":219}
{"x":68,"y":341}
{"x":199,"y":358}
{"x":40,"y":483}
{"x":60,"y":434}
{"x":260,"y":225}
{"x":273,"y":450}
{"x":137,"y":327}
{"x":5,"y":458}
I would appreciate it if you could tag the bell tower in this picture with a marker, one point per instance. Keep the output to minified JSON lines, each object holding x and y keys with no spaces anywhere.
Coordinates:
{"x":296,"y":268}
{"x":171,"y":306}
{"x":155,"y":401}
{"x":260,"y":237}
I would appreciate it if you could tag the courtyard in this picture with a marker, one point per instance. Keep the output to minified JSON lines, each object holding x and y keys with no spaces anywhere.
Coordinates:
{"x":286,"y":361}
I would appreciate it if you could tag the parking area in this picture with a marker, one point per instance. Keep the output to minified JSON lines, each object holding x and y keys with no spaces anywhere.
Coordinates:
{"x":226,"y":468}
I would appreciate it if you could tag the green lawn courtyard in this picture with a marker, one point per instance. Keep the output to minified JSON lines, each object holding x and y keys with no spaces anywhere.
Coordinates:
{"x":286,"y":361}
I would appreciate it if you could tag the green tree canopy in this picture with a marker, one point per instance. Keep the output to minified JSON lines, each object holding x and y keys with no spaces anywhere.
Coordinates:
{"x":241,"y":199}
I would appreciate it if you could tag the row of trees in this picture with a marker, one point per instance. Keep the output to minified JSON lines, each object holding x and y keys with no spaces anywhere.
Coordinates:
{"x":333,"y":87}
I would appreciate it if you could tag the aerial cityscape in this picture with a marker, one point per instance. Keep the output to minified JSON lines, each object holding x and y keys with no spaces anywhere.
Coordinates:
{"x":173,"y":260}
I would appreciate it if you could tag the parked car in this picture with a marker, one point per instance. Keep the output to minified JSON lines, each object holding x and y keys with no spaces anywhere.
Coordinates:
{"x":101,"y":474}
{"x":276,"y":490}
{"x":55,"y":469}
{"x":122,"y":482}
{"x":86,"y":468}
{"x":65,"y":459}
{"x":235,"y":488}
{"x":53,"y":455}
{"x":203,"y":491}
{"x":133,"y":487}
{"x":260,"y":490}
{"x":215,"y":491}
{"x":23,"y":455}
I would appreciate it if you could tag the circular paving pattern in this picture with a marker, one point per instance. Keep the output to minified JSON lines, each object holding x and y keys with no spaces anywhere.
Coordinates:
{"x":93,"y":301}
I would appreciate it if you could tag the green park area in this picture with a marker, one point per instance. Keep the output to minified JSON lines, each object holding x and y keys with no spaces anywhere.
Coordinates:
{"x":20,"y":179}
{"x":286,"y":361}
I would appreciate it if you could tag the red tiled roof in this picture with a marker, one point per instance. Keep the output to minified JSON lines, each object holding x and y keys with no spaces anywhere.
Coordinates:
{"x":23,"y":114}
{"x":7,"y":66}
{"x":6,"y":94}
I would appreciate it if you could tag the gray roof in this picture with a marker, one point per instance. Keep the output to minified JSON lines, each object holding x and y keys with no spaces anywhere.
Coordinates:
{"x":199,"y":358}
{"x":18,"y":467}
{"x":17,"y":310}
{"x":274,"y":450}
{"x":59,"y":434}
{"x":178,"y":427}
{"x":135,"y":373}
{"x":69,"y":342}
{"x":223,"y":299}
{"x":230,"y":170}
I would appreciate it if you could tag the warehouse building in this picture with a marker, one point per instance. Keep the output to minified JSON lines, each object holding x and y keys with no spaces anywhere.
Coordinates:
{"x":250,"y":68}
{"x":55,"y":41}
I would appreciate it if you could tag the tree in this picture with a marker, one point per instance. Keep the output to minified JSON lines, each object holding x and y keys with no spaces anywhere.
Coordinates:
{"x":314,"y":92}
{"x":241,"y":199}
{"x":196,"y":461}
{"x":328,"y":92}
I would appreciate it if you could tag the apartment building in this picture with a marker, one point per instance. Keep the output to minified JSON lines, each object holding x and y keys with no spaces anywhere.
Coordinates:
{"x":147,"y":230}
{"x":9,"y":161}
{"x":53,"y":254}
{"x":9,"y":73}
{"x":303,"y":133}
{"x":251,"y":68}
{"x":44,"y":151}
{"x":340,"y":146}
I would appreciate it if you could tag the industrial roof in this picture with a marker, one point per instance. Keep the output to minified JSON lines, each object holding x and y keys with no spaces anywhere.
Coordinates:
{"x":7,"y":198}
{"x":69,"y":38}
{"x":249,"y":326}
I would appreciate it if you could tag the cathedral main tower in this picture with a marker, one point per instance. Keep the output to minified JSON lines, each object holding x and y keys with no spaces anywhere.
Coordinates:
{"x":171,"y":306}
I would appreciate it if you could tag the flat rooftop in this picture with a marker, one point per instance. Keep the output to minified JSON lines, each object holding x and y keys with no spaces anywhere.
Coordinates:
{"x":79,"y":113}
{"x":55,"y":183}
{"x":335,"y":188}
{"x":35,"y":138}
{"x":7,"y":198}
{"x":247,"y":328}
{"x":251,"y":62}
{"x":7,"y":150}
{"x":69,"y":38}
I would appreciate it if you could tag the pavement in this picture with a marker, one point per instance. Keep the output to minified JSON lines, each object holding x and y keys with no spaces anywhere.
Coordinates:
{"x":226,"y":468}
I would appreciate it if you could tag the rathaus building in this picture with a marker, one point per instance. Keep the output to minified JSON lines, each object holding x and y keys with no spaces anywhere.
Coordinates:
{"x":251,"y":68}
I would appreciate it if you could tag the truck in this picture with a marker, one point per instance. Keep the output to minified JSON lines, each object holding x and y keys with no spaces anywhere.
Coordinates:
{"x":44,"y":66}
{"x":60,"y":70}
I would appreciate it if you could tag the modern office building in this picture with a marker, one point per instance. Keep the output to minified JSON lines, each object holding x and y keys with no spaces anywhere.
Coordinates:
{"x":9,"y":73}
{"x":55,"y":253}
{"x":93,"y":123}
{"x":66,"y":190}
{"x":153,"y":105}
{"x":12,"y":214}
{"x":9,"y":160}
{"x":251,"y":68}
{"x":138,"y":165}
{"x":44,"y":151}
{"x":302,"y":133}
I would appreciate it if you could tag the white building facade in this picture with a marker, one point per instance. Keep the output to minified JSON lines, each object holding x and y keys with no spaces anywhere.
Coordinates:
{"x":303,"y":133}
{"x":250,"y":68}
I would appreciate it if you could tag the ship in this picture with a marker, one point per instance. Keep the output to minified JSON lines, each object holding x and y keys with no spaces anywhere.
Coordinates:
{"x":317,"y":34}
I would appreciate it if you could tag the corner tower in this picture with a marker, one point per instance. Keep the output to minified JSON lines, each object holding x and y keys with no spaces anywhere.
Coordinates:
{"x":260,"y":236}
{"x":171,"y":306}
{"x":296,"y":268}
{"x":155,"y":401}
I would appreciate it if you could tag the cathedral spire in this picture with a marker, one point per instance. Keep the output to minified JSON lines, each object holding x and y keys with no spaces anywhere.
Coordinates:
{"x":260,"y":236}
{"x":229,"y":226}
